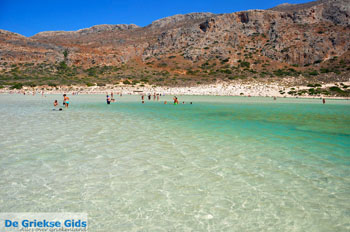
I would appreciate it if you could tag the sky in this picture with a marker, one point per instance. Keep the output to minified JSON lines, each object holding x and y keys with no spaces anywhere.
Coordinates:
{"x":28,"y":17}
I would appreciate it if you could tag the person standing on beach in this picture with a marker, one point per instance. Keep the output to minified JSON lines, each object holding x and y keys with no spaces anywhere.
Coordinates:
{"x":55,"y":103}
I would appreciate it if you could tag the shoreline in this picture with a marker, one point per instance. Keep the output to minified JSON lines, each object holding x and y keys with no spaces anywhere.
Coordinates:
{"x":218,"y":89}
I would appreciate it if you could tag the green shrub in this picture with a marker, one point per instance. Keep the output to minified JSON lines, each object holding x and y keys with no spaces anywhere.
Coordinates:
{"x":225,"y":60}
{"x":311,"y":91}
{"x":335,"y":89}
{"x":126,"y":82}
{"x":62,"y":66}
{"x":227,"y":71}
{"x":92,"y":72}
{"x":17,"y":86}
{"x":313,"y":73}
{"x":324,"y":70}
{"x":245,"y":64}
{"x":65,"y":54}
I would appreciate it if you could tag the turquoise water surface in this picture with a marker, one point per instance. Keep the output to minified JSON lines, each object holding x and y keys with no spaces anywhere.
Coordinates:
{"x":221,"y":164}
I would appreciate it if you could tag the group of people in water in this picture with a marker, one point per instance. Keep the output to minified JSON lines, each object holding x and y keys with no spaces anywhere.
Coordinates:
{"x":157,"y":96}
{"x":111,"y":98}
{"x":65,"y":102}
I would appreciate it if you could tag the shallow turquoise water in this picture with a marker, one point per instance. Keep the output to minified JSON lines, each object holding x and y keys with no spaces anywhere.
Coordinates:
{"x":221,"y":164}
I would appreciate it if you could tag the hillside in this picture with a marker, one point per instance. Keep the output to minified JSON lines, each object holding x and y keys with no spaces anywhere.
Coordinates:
{"x":300,"y":43}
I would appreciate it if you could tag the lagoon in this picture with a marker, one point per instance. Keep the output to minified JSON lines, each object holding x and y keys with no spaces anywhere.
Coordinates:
{"x":220,"y":164}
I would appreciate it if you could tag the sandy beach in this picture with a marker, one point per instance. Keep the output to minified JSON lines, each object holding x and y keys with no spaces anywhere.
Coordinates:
{"x":218,"y":89}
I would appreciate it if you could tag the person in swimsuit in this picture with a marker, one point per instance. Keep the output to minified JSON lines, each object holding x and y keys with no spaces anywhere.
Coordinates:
{"x":55,"y":103}
{"x":66,"y":100}
{"x":176,"y":101}
{"x":108,"y":100}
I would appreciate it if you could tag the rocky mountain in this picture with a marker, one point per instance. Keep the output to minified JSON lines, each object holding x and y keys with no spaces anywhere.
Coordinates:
{"x":297,"y":36}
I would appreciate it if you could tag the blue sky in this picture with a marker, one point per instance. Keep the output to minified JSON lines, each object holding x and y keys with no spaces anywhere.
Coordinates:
{"x":30,"y":17}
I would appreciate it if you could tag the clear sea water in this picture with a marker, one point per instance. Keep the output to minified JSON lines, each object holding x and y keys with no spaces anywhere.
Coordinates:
{"x":221,"y":164}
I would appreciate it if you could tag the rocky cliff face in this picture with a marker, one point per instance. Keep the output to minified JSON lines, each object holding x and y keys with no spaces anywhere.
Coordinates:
{"x":303,"y":34}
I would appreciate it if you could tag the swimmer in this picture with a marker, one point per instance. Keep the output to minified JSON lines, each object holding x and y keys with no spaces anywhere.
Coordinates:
{"x":165,"y":102}
{"x":55,"y":103}
{"x":324,"y":101}
{"x":108,"y":100}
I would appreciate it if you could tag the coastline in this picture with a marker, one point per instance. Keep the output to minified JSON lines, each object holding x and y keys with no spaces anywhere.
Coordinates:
{"x":217,"y":89}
